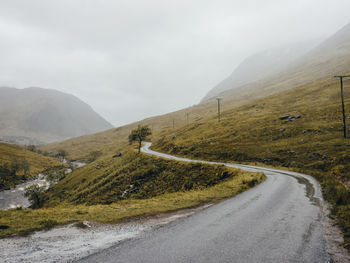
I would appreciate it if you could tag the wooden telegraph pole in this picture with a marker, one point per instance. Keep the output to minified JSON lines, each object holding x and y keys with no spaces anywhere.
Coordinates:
{"x":218,"y":99}
{"x":342,"y":101}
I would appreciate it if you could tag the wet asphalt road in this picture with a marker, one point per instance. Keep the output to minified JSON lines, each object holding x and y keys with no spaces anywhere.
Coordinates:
{"x":279,"y":220}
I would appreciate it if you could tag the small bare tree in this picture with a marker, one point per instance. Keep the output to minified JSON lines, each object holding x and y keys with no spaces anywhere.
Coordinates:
{"x":139,"y":135}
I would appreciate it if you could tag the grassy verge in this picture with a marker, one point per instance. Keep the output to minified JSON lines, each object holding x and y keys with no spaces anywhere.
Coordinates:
{"x":25,"y":221}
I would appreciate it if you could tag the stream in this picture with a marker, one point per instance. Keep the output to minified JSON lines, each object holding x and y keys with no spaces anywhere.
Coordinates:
{"x":15,"y":196}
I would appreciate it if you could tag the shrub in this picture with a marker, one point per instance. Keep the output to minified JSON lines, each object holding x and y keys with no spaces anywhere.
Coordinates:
{"x":35,"y":194}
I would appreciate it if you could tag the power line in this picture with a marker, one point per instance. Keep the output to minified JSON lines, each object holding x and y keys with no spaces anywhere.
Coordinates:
{"x":342,"y":101}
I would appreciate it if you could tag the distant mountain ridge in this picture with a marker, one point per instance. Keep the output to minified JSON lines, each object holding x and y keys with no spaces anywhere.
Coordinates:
{"x":36,"y":115}
{"x":330,"y":57}
{"x":261,"y":65}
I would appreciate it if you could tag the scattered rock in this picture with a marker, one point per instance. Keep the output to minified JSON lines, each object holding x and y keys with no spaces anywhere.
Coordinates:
{"x":86,"y":223}
{"x":282,"y":130}
{"x":284,"y":117}
{"x":130,"y":187}
{"x":174,"y":149}
{"x":305,"y":131}
{"x":117,"y":155}
{"x":134,"y":190}
{"x":290,"y":118}
{"x":292,"y":164}
{"x":315,"y":155}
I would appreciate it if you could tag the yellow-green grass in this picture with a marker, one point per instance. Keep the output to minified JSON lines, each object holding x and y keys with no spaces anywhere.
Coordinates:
{"x":25,"y":221}
{"x":254,"y":133}
{"x":251,"y":133}
{"x":133,"y":175}
{"x":38,"y":163}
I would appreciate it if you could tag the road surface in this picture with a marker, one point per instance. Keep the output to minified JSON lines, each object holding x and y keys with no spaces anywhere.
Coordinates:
{"x":279,"y":220}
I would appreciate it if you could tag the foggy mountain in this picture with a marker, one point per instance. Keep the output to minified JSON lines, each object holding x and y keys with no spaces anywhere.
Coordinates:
{"x":261,"y":65}
{"x":330,"y":57}
{"x":36,"y":115}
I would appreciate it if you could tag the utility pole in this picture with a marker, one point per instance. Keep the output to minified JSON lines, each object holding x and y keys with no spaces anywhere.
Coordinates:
{"x":342,"y":101}
{"x":187,"y":118}
{"x":218,"y":99}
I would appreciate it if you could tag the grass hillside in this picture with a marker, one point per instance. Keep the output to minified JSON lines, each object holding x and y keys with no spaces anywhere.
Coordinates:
{"x":310,"y":140}
{"x":136,"y":176}
{"x":262,"y":65}
{"x":10,"y":154}
{"x":109,"y":190}
{"x":330,"y":58}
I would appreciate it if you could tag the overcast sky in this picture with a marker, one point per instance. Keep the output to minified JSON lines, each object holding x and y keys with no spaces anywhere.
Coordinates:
{"x":134,"y":59}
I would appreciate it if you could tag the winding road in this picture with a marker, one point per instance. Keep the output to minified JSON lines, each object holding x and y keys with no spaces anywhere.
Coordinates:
{"x":279,"y":220}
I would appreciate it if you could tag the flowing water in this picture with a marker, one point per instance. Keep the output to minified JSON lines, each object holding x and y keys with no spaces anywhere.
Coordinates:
{"x":15,"y":196}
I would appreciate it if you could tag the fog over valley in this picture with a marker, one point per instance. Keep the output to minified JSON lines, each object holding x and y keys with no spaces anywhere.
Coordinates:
{"x":134,"y":59}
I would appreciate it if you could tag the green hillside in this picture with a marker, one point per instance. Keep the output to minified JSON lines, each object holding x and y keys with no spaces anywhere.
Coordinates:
{"x":12,"y":155}
{"x":254,"y":133}
{"x":109,"y":190}
{"x":135,"y":176}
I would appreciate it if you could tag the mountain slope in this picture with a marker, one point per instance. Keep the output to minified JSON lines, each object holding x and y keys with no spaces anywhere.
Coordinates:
{"x":35,"y":115}
{"x":261,"y":65}
{"x":327,"y":59}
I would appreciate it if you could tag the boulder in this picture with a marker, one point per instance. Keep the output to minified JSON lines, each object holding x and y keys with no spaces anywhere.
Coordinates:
{"x":284,"y":117}
{"x":117,"y":155}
